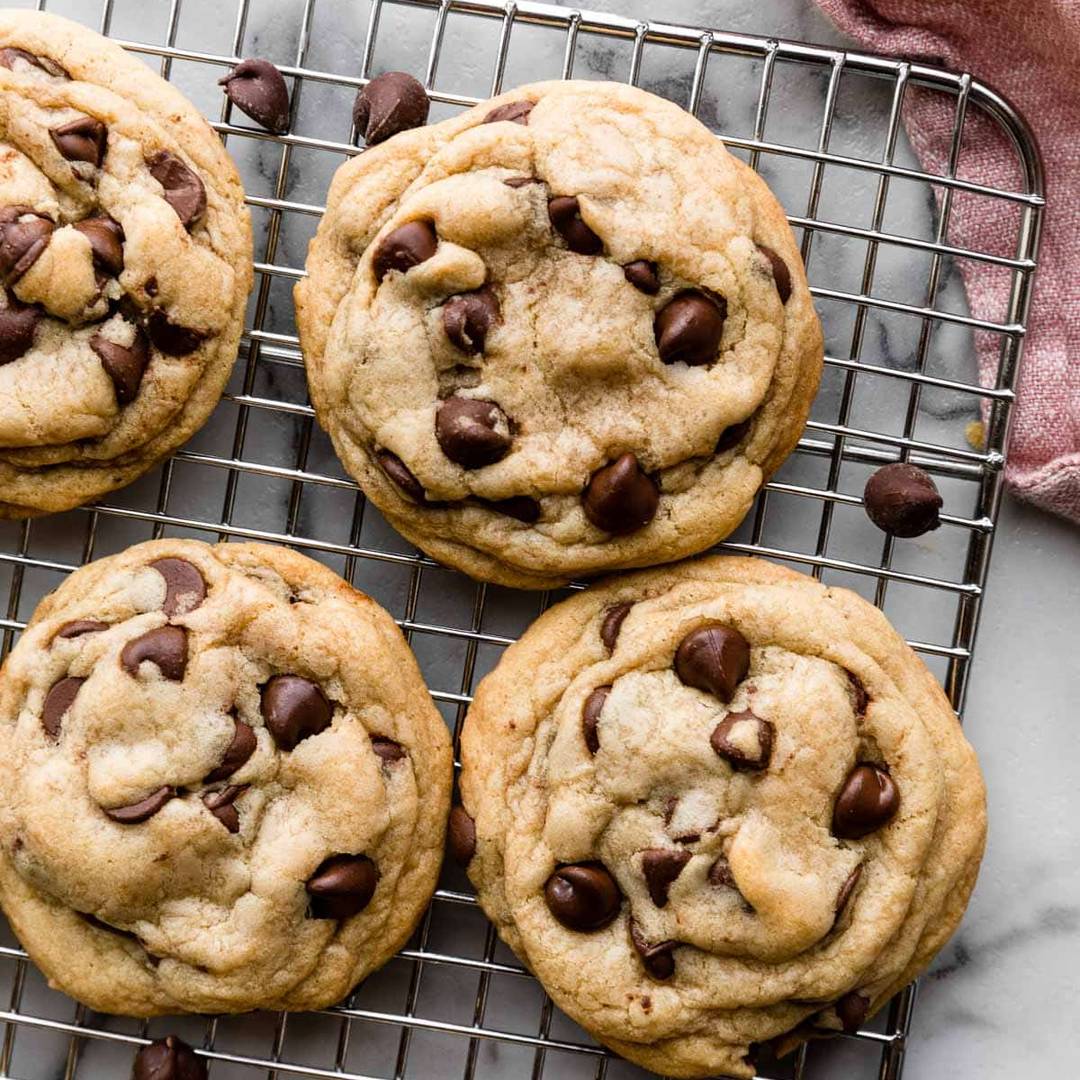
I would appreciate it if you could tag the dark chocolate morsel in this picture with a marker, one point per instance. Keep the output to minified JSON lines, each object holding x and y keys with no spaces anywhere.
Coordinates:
{"x":520,"y":507}
{"x":9,"y":55}
{"x":81,"y":140}
{"x":720,"y":875}
{"x":399,"y":472}
{"x":78,"y":627}
{"x":658,"y":960}
{"x":106,"y":242}
{"x":612,"y":624}
{"x":57,"y":702}
{"x":393,"y":101}
{"x":185,"y":587}
{"x":168,"y":1059}
{"x":846,"y":891}
{"x":643,"y":275}
{"x":780,"y":272}
{"x":688,"y":328}
{"x":236,"y":753}
{"x":731,"y":436}
{"x":564,"y":212}
{"x":124,"y":364}
{"x":220,"y":804}
{"x":661,"y":866}
{"x":714,"y":658}
{"x":404,"y":247}
{"x":744,"y":740}
{"x":342,"y":886}
{"x":386,"y":750}
{"x":166,"y":647}
{"x":867,"y":801}
{"x":472,"y":433}
{"x":516,"y":112}
{"x":851,"y":1010}
{"x":143,"y":809}
{"x":862,"y":698}
{"x":461,"y":835}
{"x":621,"y":498}
{"x":18,"y":324}
{"x":294,"y":709}
{"x":172,"y":338}
{"x":583,"y":896}
{"x":21,"y":242}
{"x":183,"y":190}
{"x":590,"y":716}
{"x":902,"y":500}
{"x":258,"y":89}
{"x":522,"y":181}
{"x":468,"y":317}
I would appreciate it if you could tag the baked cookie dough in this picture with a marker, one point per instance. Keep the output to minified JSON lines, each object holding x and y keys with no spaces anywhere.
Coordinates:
{"x":125,"y":265}
{"x":715,"y":805}
{"x":223,"y":785}
{"x":562,"y":333}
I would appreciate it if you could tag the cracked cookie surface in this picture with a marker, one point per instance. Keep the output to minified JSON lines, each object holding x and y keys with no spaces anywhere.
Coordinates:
{"x":224,"y":785}
{"x":562,"y":333}
{"x":125,"y":258}
{"x":716,"y":805}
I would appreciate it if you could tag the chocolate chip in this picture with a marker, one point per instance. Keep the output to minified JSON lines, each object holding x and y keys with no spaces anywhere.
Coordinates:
{"x":902,"y":500}
{"x":688,"y":328}
{"x":9,"y":55}
{"x":143,"y":809}
{"x":21,"y":242}
{"x":399,"y":472}
{"x":57,"y":702}
{"x":258,"y":89}
{"x":166,"y":647}
{"x":220,"y":804}
{"x":519,"y":507}
{"x":590,"y":716}
{"x":714,"y":658}
{"x":386,"y":750}
{"x":868,"y":800}
{"x":18,"y":324}
{"x":472,"y":433}
{"x":467,"y":319}
{"x":621,"y":498}
{"x":185,"y":588}
{"x":583,"y":896}
{"x":862,"y":698}
{"x":404,"y":247}
{"x":658,"y":960}
{"x":342,"y":886}
{"x":183,"y":190}
{"x":522,"y":181}
{"x":172,"y":338}
{"x":462,"y":835}
{"x":294,"y":708}
{"x":236,"y":753}
{"x":564,"y":212}
{"x":733,"y":731}
{"x":643,"y":275}
{"x":720,"y":875}
{"x":393,"y":101}
{"x":851,"y":1010}
{"x":731,"y":436}
{"x":846,"y":891}
{"x":81,"y":140}
{"x":124,"y":364}
{"x":106,"y":242}
{"x":661,"y":866}
{"x":168,"y":1059}
{"x":780,"y":272}
{"x":612,"y":624}
{"x":78,"y":627}
{"x":516,"y":112}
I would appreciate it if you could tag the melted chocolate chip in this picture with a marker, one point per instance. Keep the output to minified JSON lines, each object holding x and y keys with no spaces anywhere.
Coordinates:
{"x":399,"y":472}
{"x":744,"y":740}
{"x":851,"y":1010}
{"x":386,"y":750}
{"x":220,"y":804}
{"x":780,"y":272}
{"x":714,"y":658}
{"x":185,"y":588}
{"x":78,"y":627}
{"x":720,"y":875}
{"x":658,"y":960}
{"x":643,"y":275}
{"x":21,"y":241}
{"x":124,"y":364}
{"x":166,"y":647}
{"x":106,"y":242}
{"x":81,"y":140}
{"x":472,"y":433}
{"x":393,"y":101}
{"x":661,"y":866}
{"x":621,"y":498}
{"x":902,"y":500}
{"x":9,"y":55}
{"x":342,"y":886}
{"x":18,"y":324}
{"x":583,"y":896}
{"x":522,"y":181}
{"x":183,"y":190}
{"x":846,"y":892}
{"x":862,"y":698}
{"x":516,"y":112}
{"x":467,"y":318}
{"x":461,"y":835}
{"x":520,"y":507}
{"x":590,"y":716}
{"x":564,"y":212}
{"x":731,"y":436}
{"x":172,"y":338}
{"x":612,"y":624}
{"x":867,"y":801}
{"x":236,"y":753}
{"x":258,"y":89}
{"x":294,"y":709}
{"x":688,"y":328}
{"x":405,"y":247}
{"x":168,"y":1059}
{"x":58,"y":700}
{"x":143,"y":809}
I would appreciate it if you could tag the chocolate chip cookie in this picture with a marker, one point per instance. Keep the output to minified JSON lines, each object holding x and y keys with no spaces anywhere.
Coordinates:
{"x":125,"y":259}
{"x":562,"y":333}
{"x":715,"y":805}
{"x":223,"y":785}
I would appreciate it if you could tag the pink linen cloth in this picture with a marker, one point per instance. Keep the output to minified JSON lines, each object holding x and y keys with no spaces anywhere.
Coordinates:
{"x":1028,"y":50}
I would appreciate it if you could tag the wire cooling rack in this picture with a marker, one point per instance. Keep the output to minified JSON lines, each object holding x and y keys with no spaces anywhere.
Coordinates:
{"x":824,"y":127}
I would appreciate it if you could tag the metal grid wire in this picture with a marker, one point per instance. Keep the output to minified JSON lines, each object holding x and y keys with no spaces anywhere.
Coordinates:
{"x":455,"y":1003}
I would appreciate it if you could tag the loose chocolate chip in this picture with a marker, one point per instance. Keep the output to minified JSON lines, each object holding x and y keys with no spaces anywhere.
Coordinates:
{"x":520,"y":507}
{"x":106,"y":242}
{"x":643,"y":275}
{"x":172,"y":338}
{"x":720,"y":875}
{"x":868,"y":800}
{"x":714,"y":658}
{"x":516,"y":112}
{"x":185,"y":588}
{"x":405,"y":247}
{"x":902,"y":500}
{"x":846,"y":891}
{"x":621,"y":498}
{"x":661,"y":866}
{"x":81,"y":140}
{"x":168,"y":1059}
{"x":612,"y":624}
{"x":294,"y":708}
{"x":731,"y":436}
{"x":393,"y":101}
{"x":780,"y":272}
{"x":744,"y":740}
{"x":143,"y":809}
{"x":342,"y":886}
{"x":57,"y":702}
{"x":564,"y":212}
{"x":467,"y":319}
{"x":399,"y":472}
{"x":166,"y":647}
{"x":183,"y":190}
{"x":462,"y":835}
{"x":258,"y":89}
{"x":124,"y":364}
{"x":851,"y":1010}
{"x":590,"y":716}
{"x":862,"y":698}
{"x":583,"y":896}
{"x":522,"y":181}
{"x":688,"y":328}
{"x":386,"y":750}
{"x":236,"y":753}
{"x":78,"y":627}
{"x":658,"y":960}
{"x":18,"y":324}
{"x":21,"y":242}
{"x":220,"y":804}
{"x":472,"y":433}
